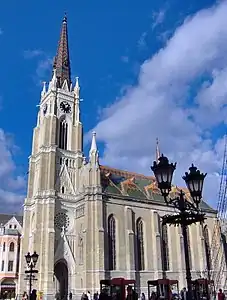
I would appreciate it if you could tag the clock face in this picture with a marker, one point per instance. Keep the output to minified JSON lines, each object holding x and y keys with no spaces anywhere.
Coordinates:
{"x":65,"y":107}
{"x":44,"y":109}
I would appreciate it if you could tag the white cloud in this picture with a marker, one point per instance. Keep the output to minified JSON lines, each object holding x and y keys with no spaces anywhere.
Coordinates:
{"x":158,"y":18}
{"x":142,"y":44}
{"x":159,"y":106}
{"x":29,"y":54}
{"x":43,"y":67}
{"x":125,"y":59}
{"x":44,"y":63}
{"x":11,"y":186}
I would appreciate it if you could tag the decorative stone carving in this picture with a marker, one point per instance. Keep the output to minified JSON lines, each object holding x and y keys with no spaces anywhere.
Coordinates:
{"x":80,"y":211}
{"x":64,"y":183}
{"x":61,"y":220}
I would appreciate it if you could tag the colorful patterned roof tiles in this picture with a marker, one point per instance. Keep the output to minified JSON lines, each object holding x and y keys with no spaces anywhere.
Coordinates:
{"x":136,"y":186}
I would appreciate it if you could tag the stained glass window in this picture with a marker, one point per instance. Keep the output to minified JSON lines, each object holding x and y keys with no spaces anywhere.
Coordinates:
{"x":61,"y":220}
{"x":140,"y":244}
{"x":112,"y":242}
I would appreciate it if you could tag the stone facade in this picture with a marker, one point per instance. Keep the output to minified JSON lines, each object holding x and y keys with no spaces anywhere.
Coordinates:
{"x":70,"y":200}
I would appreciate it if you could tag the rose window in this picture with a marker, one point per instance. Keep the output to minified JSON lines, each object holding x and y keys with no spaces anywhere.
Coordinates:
{"x":61,"y":220}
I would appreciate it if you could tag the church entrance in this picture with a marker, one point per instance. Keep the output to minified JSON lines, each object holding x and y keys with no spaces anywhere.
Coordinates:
{"x":61,"y":279}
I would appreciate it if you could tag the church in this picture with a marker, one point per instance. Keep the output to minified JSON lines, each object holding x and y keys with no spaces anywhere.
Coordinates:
{"x":88,"y":221}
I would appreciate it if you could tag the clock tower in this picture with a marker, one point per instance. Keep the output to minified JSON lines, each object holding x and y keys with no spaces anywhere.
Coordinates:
{"x":54,"y":209}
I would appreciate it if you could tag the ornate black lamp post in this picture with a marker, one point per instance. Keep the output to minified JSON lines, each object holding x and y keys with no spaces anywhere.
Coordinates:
{"x":31,"y":261}
{"x":188,"y":211}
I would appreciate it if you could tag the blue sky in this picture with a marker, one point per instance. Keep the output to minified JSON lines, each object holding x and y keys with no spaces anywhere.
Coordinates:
{"x":125,"y":54}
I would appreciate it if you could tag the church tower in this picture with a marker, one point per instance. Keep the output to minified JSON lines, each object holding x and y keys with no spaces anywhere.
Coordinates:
{"x":54,"y":209}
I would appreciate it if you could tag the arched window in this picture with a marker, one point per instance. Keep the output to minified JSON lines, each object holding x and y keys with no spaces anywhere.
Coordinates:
{"x":62,"y":189}
{"x":112,"y":242}
{"x":165,"y":247}
{"x":63,"y":134}
{"x":4,"y":247}
{"x":207,"y":247}
{"x":11,"y":247}
{"x":140,"y":244}
{"x":81,"y":250}
{"x":189,"y":249}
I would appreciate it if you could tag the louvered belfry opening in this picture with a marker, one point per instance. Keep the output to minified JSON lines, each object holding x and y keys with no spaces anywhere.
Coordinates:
{"x":63,"y":134}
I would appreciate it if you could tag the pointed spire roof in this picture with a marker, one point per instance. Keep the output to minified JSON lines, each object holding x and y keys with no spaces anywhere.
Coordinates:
{"x":62,"y":60}
{"x":77,"y":89}
{"x":93,"y":153}
{"x":93,"y":148}
{"x":157,"y":150}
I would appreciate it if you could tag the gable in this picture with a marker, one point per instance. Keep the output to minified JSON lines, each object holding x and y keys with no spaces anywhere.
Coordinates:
{"x":6,"y":218}
{"x":12,"y":227}
{"x":64,"y":251}
{"x":64,"y":180}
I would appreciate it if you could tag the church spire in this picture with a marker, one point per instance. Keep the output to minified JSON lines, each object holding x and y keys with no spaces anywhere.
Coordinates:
{"x":62,"y":60}
{"x":93,"y":153}
{"x":157,"y":152}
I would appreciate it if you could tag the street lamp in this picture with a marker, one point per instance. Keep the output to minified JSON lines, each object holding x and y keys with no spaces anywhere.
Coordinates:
{"x":188,"y":211}
{"x":31,"y":261}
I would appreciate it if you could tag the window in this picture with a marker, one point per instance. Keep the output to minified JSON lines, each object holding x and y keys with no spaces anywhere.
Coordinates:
{"x":207,"y":247}
{"x":140,"y":244}
{"x":112,"y":242}
{"x":11,"y":247}
{"x":62,"y":190}
{"x":10,"y":266}
{"x":81,"y":250}
{"x":189,"y":249}
{"x":165,"y":248}
{"x":3,"y":266}
{"x":15,"y":226}
{"x":63,"y":132}
{"x":4,"y":247}
{"x":10,"y":226}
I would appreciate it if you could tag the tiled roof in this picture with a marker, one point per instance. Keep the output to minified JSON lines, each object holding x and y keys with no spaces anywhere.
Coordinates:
{"x":137,"y":186}
{"x":4,"y":218}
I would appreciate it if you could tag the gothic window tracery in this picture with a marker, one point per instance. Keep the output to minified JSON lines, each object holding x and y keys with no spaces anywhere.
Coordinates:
{"x":140,"y":244}
{"x":165,"y":247}
{"x":63,"y":134}
{"x":61,"y":220}
{"x":112,"y":242}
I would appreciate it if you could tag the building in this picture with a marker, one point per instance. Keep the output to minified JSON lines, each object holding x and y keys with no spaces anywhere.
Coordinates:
{"x":10,"y":233}
{"x":87,"y":221}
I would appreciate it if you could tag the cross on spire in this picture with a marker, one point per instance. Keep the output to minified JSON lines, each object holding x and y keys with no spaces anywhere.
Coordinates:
{"x":62,"y":60}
